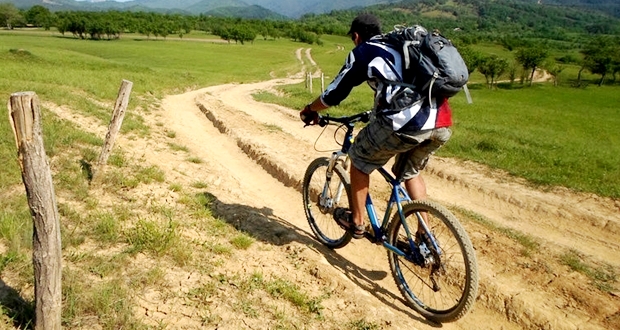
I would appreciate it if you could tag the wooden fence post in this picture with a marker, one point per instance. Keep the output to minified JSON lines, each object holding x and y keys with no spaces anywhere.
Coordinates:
{"x":115,"y":124}
{"x":25,"y":117}
{"x":310,"y":80}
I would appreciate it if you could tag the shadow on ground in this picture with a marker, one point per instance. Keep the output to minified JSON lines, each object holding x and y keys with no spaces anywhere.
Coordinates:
{"x":265,"y":226}
{"x":20,"y":311}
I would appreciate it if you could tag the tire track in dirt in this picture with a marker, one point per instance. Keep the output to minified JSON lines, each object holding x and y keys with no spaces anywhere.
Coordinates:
{"x":494,"y":195}
{"x":255,"y":157}
{"x":362,"y":266}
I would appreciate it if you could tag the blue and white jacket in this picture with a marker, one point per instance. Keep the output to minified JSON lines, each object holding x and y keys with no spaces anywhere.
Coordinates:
{"x":379,"y":65}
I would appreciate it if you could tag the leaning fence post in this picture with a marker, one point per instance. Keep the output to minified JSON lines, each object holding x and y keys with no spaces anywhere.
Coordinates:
{"x":25,"y":117}
{"x":115,"y":124}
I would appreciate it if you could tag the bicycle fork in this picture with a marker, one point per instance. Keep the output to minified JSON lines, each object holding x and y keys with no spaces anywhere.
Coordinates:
{"x":326,"y":202}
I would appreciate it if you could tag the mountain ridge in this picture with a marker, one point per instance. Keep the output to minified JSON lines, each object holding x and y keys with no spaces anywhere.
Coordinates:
{"x":287,"y":9}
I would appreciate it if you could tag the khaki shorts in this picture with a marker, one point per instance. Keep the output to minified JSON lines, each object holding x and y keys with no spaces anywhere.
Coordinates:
{"x":377,"y":143}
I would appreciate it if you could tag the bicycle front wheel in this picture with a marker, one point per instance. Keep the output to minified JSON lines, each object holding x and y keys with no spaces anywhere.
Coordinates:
{"x":444,"y":287}
{"x":321,"y":196}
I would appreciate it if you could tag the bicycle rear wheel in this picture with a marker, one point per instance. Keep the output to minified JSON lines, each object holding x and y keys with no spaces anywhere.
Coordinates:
{"x":319,"y":211}
{"x":445,"y":288}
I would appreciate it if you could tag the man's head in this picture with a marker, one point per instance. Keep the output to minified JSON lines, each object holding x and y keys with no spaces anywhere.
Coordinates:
{"x":365,"y":26}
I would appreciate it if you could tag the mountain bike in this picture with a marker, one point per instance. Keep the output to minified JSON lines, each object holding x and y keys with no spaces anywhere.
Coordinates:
{"x":431,"y":257}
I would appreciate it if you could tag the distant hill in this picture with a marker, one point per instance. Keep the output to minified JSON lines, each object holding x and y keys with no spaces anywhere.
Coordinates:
{"x":298,"y":8}
{"x":251,"y":12}
{"x":206,"y":6}
{"x":275,"y":8}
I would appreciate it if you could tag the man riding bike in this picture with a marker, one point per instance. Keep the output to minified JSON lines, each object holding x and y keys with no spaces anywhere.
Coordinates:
{"x":403,"y":119}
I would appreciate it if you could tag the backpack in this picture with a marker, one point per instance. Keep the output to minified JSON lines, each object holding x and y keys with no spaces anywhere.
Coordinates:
{"x":431,"y":63}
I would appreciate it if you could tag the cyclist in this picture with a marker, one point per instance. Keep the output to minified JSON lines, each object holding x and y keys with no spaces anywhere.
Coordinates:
{"x":403,"y":120}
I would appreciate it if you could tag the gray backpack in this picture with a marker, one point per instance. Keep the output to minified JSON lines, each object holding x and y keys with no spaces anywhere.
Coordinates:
{"x":431,"y":63}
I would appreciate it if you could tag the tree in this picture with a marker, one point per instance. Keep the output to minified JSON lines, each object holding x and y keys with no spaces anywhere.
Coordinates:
{"x":599,"y":56}
{"x":492,"y":67}
{"x":512,"y":71}
{"x":471,"y":57}
{"x":615,"y":67}
{"x":9,"y":15}
{"x":531,"y":58}
{"x":39,"y":16}
{"x":554,"y":69}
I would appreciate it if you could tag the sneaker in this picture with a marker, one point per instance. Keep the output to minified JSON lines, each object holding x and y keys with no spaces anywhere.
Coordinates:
{"x":344,"y":218}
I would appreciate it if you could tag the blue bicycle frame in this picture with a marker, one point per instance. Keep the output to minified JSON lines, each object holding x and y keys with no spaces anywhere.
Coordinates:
{"x":397,"y":197}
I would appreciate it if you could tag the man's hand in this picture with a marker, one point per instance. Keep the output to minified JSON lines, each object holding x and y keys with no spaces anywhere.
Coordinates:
{"x":308,"y":116}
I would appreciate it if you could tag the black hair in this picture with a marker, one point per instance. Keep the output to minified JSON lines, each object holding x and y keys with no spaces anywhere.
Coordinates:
{"x":366,"y":26}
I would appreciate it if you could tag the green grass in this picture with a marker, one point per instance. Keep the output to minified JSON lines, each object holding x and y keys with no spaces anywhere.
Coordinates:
{"x":529,"y":244}
{"x":149,"y":236}
{"x":282,"y":289}
{"x":242,"y":241}
{"x":603,"y":277}
{"x":559,"y":136}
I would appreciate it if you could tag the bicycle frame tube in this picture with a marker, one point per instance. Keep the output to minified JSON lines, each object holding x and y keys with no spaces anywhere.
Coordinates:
{"x":397,"y":197}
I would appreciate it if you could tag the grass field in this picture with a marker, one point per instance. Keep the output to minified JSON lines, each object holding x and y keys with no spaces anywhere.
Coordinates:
{"x":549,"y":135}
{"x":83,"y":74}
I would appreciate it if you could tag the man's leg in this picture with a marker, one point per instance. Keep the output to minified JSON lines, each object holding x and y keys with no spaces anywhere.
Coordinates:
{"x":359,"y":189}
{"x":416,"y":188}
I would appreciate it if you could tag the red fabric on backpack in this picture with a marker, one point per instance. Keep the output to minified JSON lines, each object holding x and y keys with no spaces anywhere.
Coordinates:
{"x":444,"y":115}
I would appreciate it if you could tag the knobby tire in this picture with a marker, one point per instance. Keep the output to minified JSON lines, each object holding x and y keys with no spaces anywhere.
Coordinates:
{"x":456,"y":267}
{"x":321,"y":220}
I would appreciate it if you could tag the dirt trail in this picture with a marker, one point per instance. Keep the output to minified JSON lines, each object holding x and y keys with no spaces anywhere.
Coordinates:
{"x":256,"y":155}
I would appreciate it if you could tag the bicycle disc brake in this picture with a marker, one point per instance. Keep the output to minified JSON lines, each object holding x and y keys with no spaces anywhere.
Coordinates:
{"x":326,"y":204}
{"x":437,"y":270}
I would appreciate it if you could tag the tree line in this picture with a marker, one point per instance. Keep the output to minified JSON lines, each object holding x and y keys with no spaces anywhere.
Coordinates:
{"x":600,"y":56}
{"x":112,"y":24}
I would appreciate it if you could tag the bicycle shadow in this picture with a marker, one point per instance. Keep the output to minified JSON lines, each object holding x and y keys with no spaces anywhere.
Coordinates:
{"x":19,"y":311}
{"x":264,"y":225}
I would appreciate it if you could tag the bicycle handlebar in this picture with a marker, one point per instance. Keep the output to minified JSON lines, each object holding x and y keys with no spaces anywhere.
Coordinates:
{"x":363,"y":117}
